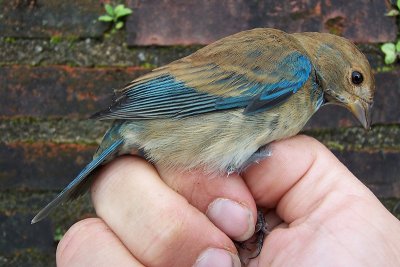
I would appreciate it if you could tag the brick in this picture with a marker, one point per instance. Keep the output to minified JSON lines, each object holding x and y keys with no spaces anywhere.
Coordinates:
{"x":386,"y":105}
{"x":41,"y":165}
{"x":38,"y":19}
{"x":59,"y":91}
{"x":380,"y":171}
{"x":27,"y":258}
{"x":170,"y":22}
{"x":15,"y":237}
{"x":23,"y":244}
{"x":23,"y":241}
{"x":385,"y":108}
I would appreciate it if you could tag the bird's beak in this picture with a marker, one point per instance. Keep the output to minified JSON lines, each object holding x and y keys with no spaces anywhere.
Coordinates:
{"x":362,"y":111}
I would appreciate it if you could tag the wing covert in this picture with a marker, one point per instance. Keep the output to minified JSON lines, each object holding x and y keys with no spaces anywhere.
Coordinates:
{"x":221,"y":76}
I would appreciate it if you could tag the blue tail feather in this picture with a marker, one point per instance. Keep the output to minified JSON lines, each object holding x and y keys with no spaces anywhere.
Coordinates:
{"x":71,"y":190}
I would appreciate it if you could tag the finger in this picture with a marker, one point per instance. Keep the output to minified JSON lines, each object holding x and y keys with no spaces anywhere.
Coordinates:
{"x":91,"y":243}
{"x":156,"y":224}
{"x":272,"y":220}
{"x":300,"y":172}
{"x":225,"y":200}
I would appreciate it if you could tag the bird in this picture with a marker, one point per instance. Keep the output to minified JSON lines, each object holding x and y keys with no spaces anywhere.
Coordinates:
{"x":219,"y":108}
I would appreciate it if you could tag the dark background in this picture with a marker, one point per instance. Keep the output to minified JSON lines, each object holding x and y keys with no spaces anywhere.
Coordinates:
{"x":58,"y":65}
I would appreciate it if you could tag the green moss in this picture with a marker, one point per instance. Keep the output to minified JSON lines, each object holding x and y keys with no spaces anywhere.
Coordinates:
{"x":9,"y":40}
{"x":71,"y":38}
{"x":335,"y":145}
{"x":55,"y":130}
{"x":88,"y":52}
{"x":148,"y":65}
{"x":55,"y":39}
{"x":380,"y":137}
{"x":386,"y":68}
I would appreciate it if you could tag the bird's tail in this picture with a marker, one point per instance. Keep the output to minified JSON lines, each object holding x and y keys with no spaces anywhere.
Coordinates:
{"x":75,"y":187}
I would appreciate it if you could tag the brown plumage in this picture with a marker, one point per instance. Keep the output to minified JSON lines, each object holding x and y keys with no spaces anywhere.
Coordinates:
{"x":216,"y":108}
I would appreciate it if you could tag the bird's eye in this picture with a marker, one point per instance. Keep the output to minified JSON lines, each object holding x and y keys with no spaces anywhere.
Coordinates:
{"x":356,"y":77}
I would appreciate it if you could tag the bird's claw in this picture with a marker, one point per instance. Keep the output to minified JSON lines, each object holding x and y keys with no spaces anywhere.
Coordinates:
{"x":260,"y":232}
{"x":254,"y":245}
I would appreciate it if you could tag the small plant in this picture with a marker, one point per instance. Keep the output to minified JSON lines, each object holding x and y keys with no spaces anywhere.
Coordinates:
{"x":393,"y":11}
{"x":56,"y":39}
{"x":58,"y":234}
{"x":115,"y":14}
{"x":391,"y":51}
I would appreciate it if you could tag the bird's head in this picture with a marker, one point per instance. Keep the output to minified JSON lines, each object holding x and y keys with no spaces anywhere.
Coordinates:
{"x":343,"y":72}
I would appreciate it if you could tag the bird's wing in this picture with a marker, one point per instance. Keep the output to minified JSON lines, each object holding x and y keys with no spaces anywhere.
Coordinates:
{"x":254,"y":71}
{"x":75,"y":188}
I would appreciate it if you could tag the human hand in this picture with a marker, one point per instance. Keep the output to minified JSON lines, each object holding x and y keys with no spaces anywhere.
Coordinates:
{"x":329,"y":218}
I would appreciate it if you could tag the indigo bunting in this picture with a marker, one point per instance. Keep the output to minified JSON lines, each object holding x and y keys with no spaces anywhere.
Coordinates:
{"x":218,"y":108}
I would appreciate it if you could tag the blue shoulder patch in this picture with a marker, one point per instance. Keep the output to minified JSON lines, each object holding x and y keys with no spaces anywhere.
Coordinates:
{"x":167,"y":97}
{"x":263,"y":96}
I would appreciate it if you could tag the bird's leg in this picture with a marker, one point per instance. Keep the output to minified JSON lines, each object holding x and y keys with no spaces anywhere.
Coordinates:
{"x":261,"y":153}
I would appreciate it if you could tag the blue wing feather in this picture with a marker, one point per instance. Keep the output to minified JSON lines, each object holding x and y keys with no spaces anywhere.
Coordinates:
{"x":164,"y":96}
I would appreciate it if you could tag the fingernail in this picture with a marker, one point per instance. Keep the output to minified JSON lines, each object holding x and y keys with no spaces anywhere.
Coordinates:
{"x":232,"y":218}
{"x":217,"y":257}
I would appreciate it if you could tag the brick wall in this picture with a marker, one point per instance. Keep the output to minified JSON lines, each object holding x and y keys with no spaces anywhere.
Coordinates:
{"x":56,"y":68}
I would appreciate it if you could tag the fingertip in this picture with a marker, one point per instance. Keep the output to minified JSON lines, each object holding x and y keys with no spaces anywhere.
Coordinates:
{"x":71,"y":241}
{"x":233,"y":218}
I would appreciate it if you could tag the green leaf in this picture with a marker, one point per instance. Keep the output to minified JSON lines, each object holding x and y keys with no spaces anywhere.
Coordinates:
{"x":398,"y":4}
{"x":388,"y":48}
{"x":392,"y":13}
{"x":109,"y":10}
{"x":118,"y":9}
{"x":390,"y":52}
{"x":119,"y":25}
{"x":105,"y":18}
{"x":124,"y":12}
{"x":398,"y":46}
{"x":390,"y":58}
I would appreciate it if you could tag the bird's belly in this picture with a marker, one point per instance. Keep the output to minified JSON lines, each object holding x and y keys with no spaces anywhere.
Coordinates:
{"x":213,"y":142}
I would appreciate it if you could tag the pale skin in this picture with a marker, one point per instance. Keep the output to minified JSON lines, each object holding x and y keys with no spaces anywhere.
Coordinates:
{"x":324,"y":216}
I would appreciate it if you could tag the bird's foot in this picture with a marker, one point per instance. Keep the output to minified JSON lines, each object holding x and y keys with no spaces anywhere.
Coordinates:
{"x":251,"y":248}
{"x":260,"y":232}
